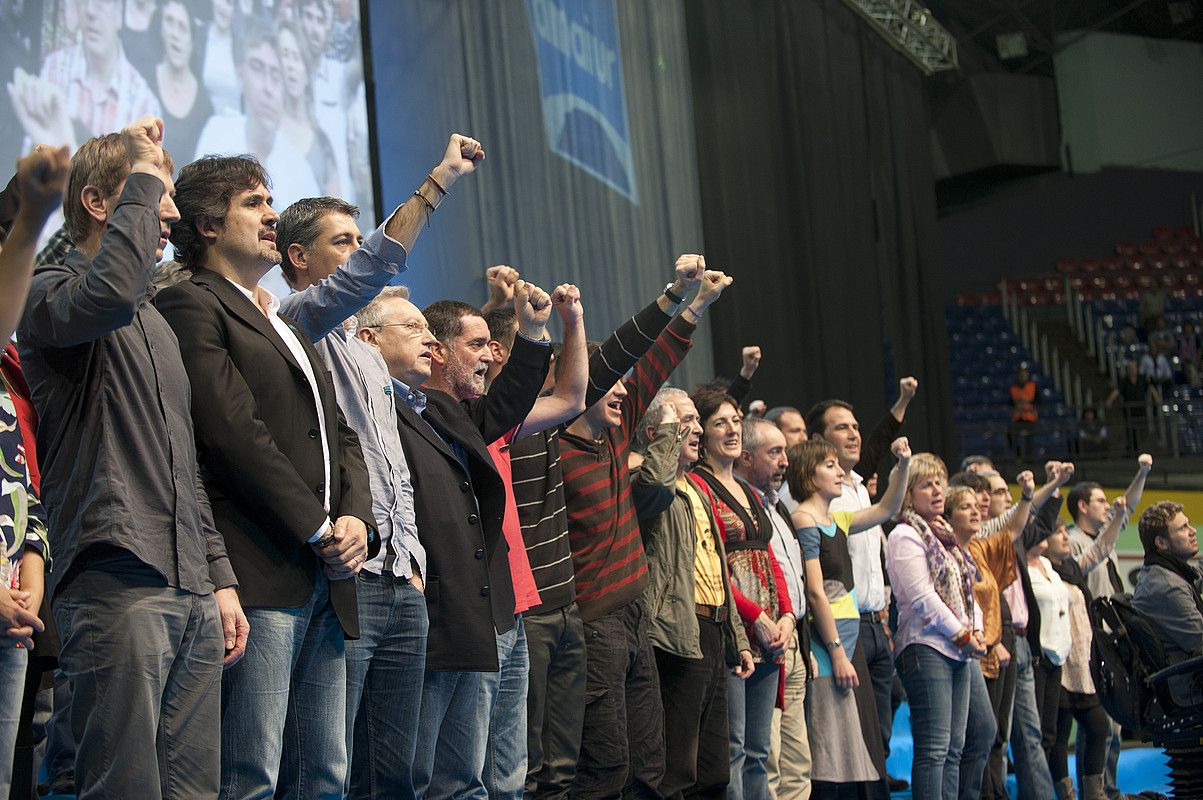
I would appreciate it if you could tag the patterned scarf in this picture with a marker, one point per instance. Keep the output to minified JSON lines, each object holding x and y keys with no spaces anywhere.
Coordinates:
{"x":953,"y":570}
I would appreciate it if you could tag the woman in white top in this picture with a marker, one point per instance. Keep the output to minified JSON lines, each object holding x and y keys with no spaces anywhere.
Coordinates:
{"x":1078,"y":699}
{"x":1052,"y":599}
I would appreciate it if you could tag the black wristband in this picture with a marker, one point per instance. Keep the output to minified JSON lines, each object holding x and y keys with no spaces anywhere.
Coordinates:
{"x":675,"y":299}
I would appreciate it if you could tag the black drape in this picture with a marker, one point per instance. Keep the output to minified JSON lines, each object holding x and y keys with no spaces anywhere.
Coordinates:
{"x":818,"y":194}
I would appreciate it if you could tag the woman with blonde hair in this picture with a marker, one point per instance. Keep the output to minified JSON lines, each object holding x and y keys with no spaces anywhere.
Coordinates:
{"x":939,"y":631}
{"x":840,"y":698}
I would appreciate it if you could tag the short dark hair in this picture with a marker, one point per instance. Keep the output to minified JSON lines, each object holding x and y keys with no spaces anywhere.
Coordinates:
{"x":815,"y":426}
{"x":1155,"y":521}
{"x":204,"y":190}
{"x":503,"y":324}
{"x":250,"y":32}
{"x":301,"y":223}
{"x":1079,"y":494}
{"x":709,"y":399}
{"x":977,"y":483}
{"x":446,"y":318}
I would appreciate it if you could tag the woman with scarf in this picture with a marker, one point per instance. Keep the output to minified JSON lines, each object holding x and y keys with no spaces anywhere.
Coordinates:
{"x":757,"y":584}
{"x":1076,"y":699}
{"x":839,"y":701}
{"x":939,"y":632}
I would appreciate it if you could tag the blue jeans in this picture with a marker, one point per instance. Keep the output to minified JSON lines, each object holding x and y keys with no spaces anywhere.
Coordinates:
{"x":504,"y":695}
{"x":937,"y":688}
{"x":385,"y":668}
{"x":13,"y":661}
{"x":750,"y":706}
{"x":1031,"y":766}
{"x":284,"y":705}
{"x":979,"y":736}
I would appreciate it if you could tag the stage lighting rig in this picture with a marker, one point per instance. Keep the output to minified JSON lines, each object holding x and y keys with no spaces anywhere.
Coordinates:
{"x":910,"y":27}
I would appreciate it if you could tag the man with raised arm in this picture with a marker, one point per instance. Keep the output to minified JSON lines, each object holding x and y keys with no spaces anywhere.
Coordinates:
{"x":554,"y":631}
{"x":459,"y":501}
{"x":138,"y":560}
{"x":622,"y":744}
{"x":337,"y":272}
{"x":1090,"y":510}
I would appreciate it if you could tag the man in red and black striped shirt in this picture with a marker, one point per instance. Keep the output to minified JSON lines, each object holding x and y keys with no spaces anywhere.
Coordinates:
{"x":622,"y":746}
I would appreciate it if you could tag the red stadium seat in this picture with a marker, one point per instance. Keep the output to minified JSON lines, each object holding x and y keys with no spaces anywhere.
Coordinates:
{"x":1113,"y":263}
{"x":1052,"y":283}
{"x":1163,"y":232}
{"x":991,"y":299}
{"x":1090,"y":265}
{"x":1158,"y":262}
{"x":1181,"y":261}
{"x":968,"y":299}
{"x":1184,"y":232}
{"x":1077,"y":283}
{"x":1150,"y":248}
{"x":1126,"y":249}
{"x":1121,"y":281}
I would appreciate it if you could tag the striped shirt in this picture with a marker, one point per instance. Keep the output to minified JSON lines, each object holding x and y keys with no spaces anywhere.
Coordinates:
{"x":539,"y":481}
{"x":607,"y":553}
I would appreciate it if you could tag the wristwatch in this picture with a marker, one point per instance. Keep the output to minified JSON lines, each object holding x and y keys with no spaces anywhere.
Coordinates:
{"x":832,"y":645}
{"x":672,"y":296}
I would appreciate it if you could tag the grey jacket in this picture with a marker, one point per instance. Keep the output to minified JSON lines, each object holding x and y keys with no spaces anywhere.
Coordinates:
{"x":669,"y":539}
{"x":1165,"y":599}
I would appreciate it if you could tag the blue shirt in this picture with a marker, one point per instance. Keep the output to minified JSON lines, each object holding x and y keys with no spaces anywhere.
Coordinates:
{"x":365,"y":392}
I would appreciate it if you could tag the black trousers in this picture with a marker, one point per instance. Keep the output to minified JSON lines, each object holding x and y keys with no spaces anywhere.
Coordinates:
{"x":622,"y":744}
{"x":1048,"y":703}
{"x":694,"y":695}
{"x":555,"y":700}
{"x":1093,"y":721}
{"x":880,"y":661}
{"x":1002,"y":696}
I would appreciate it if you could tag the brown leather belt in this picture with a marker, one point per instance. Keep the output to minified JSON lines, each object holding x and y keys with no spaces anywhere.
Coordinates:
{"x":716,"y":613}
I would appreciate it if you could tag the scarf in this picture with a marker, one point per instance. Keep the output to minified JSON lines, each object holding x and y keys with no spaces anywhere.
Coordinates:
{"x":1181,"y":568}
{"x":953,"y":570}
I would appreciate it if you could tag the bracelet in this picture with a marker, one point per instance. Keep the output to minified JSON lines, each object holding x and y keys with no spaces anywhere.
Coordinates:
{"x":325,"y":541}
{"x":673,"y":298}
{"x":418,"y":194}
{"x":696,"y":315}
{"x":1027,"y":498}
{"x":430,"y":177}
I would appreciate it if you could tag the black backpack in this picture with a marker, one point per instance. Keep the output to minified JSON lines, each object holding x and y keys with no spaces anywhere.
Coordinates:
{"x":1125,"y":651}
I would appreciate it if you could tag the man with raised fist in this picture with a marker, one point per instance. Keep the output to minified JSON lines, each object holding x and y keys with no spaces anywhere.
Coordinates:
{"x":138,"y":560}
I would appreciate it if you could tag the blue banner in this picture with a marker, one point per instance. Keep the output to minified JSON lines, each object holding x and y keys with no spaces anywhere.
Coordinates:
{"x":580,"y":79}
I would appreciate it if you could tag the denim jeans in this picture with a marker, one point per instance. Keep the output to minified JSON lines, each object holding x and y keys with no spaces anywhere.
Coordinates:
{"x":385,"y":668}
{"x":981,"y":728}
{"x":58,"y":760}
{"x":555,"y":702}
{"x":750,"y":706}
{"x":937,"y":688}
{"x":1031,"y":766}
{"x":144,"y":662}
{"x":284,"y":705}
{"x":503,"y":695}
{"x":13,"y":661}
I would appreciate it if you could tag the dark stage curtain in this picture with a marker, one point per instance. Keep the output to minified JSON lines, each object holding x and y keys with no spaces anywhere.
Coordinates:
{"x":818,"y":194}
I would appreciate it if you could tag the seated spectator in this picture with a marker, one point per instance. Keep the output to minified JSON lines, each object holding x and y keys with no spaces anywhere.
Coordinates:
{"x":1168,"y":593}
{"x":1092,"y":433}
{"x":1155,"y":366}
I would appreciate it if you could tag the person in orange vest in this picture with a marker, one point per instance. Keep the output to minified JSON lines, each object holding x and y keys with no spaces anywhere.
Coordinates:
{"x":1023,"y":413}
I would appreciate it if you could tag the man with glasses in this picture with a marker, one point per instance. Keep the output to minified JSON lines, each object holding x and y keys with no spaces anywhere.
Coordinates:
{"x":337,"y":272}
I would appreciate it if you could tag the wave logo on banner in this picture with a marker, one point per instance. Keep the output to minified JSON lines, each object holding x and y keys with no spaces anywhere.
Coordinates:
{"x":580,"y":77}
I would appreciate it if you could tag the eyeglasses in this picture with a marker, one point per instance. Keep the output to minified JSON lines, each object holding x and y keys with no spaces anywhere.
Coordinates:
{"x":412,"y":328}
{"x":1000,"y":491}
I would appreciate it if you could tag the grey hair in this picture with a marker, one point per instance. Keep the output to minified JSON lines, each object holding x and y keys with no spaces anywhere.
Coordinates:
{"x":373,"y":314}
{"x":654,"y":416}
{"x":753,"y":433}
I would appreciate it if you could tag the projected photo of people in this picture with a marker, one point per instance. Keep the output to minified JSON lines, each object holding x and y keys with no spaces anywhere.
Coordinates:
{"x":282,"y":79}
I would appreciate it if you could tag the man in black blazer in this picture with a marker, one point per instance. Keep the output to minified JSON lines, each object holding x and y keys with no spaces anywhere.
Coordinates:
{"x":287,"y":482}
{"x":459,"y":502}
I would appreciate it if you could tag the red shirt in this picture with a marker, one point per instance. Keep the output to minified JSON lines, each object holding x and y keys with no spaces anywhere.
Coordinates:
{"x":526,"y":594}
